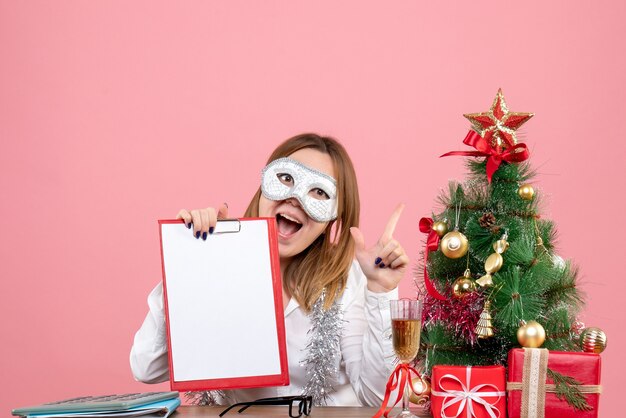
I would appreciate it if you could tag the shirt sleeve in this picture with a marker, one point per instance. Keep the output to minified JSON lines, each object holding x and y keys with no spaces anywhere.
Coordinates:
{"x":148,"y":356}
{"x":366,"y":345}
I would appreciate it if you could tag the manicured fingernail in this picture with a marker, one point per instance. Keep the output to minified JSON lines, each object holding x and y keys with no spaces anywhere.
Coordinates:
{"x":197,"y":234}
{"x":204,"y":236}
{"x":378,"y":260}
{"x":381,"y":265}
{"x":211,"y":229}
{"x":188,"y":225}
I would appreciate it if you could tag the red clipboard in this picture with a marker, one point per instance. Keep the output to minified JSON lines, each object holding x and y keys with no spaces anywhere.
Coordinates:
{"x":223,"y":305}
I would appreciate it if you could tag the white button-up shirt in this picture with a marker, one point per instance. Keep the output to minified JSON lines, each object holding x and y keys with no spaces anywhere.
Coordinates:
{"x":366,"y":359}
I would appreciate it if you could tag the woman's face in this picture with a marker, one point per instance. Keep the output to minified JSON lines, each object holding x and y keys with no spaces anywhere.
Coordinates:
{"x":296,"y":230}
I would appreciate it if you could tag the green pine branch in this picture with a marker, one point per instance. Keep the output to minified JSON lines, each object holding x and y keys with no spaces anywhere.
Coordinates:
{"x":440,"y":346}
{"x":522,"y":172}
{"x":558,"y":325}
{"x":518,"y":298}
{"x":567,"y":388}
{"x":563,"y":288}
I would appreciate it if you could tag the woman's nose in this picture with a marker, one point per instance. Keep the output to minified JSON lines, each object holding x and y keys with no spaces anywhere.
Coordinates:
{"x":293,"y":201}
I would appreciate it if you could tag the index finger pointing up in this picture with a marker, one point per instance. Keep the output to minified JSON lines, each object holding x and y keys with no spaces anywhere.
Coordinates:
{"x":393,"y":221}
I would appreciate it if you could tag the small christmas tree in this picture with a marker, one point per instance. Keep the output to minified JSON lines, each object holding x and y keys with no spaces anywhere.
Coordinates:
{"x":491,"y":280}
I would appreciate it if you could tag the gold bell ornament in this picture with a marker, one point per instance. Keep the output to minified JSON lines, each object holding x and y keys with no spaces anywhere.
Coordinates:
{"x":464,"y":285}
{"x":593,"y":340}
{"x":484,"y":328}
{"x":526,"y":192}
{"x":422,"y":387}
{"x":494,"y":262}
{"x":531,"y":334}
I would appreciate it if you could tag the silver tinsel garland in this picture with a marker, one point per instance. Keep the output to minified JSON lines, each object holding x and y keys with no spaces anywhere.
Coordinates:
{"x":322,"y":361}
{"x":324,"y":353}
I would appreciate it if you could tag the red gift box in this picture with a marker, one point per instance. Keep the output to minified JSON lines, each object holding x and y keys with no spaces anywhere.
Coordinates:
{"x":468,"y":392}
{"x":529,"y":394}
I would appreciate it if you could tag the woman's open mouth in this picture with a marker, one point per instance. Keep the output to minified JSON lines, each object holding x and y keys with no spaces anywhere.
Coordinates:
{"x":287,"y":225}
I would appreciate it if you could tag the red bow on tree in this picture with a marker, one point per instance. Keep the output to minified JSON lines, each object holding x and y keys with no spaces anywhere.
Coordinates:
{"x":432,"y":243}
{"x":495,"y":155}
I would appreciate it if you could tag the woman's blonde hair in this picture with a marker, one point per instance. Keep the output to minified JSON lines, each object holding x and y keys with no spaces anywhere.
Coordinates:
{"x":326,"y":262}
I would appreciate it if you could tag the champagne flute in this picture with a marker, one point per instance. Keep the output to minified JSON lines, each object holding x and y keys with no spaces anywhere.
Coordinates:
{"x":406,"y":324}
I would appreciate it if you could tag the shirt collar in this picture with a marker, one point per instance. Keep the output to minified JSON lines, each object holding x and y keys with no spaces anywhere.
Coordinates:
{"x":291,"y":306}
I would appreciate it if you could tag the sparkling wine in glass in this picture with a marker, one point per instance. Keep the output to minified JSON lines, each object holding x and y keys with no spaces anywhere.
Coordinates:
{"x":406,"y":324}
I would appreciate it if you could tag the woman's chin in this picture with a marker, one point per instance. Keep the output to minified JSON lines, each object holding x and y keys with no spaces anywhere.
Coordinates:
{"x":286,"y":249}
{"x":291,"y":246}
{"x":292,"y":243}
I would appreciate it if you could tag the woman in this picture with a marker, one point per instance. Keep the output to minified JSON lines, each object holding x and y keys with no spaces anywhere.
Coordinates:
{"x":310,"y":187}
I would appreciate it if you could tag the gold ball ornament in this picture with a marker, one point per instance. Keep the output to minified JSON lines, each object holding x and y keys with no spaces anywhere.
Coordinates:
{"x":454,"y":244}
{"x":463,"y":286}
{"x":593,"y":340}
{"x":526,"y":192}
{"x":422,"y":387}
{"x":531,"y":334}
{"x":440,"y":228}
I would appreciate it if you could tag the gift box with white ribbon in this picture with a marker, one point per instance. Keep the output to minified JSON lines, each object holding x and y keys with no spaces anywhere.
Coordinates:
{"x":468,"y":392}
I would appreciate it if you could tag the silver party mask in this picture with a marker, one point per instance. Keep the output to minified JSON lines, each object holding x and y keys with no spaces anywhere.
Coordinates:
{"x":305,"y":179}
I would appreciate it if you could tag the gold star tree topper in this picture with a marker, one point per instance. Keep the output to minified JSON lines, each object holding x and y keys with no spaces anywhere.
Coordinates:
{"x":499,"y":123}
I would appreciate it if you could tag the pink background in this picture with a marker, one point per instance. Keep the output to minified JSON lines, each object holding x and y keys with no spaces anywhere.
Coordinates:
{"x":115,"y":114}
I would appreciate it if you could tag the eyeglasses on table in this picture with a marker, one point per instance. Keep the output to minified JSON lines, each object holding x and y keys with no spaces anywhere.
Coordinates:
{"x":303,"y":405}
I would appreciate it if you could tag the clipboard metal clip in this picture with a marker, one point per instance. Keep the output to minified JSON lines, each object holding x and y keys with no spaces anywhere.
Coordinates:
{"x":227,"y":226}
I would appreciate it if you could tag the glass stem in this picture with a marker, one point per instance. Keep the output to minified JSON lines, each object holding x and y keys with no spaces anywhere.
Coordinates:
{"x":405,"y":398}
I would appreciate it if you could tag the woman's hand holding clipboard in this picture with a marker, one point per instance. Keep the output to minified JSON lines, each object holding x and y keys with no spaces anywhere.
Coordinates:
{"x":203,"y":220}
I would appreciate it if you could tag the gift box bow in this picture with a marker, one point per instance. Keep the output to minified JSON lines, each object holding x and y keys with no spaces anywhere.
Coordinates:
{"x":467,"y":396}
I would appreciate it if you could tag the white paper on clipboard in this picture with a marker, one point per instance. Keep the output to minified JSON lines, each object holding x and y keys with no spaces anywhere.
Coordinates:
{"x":224,"y":314}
